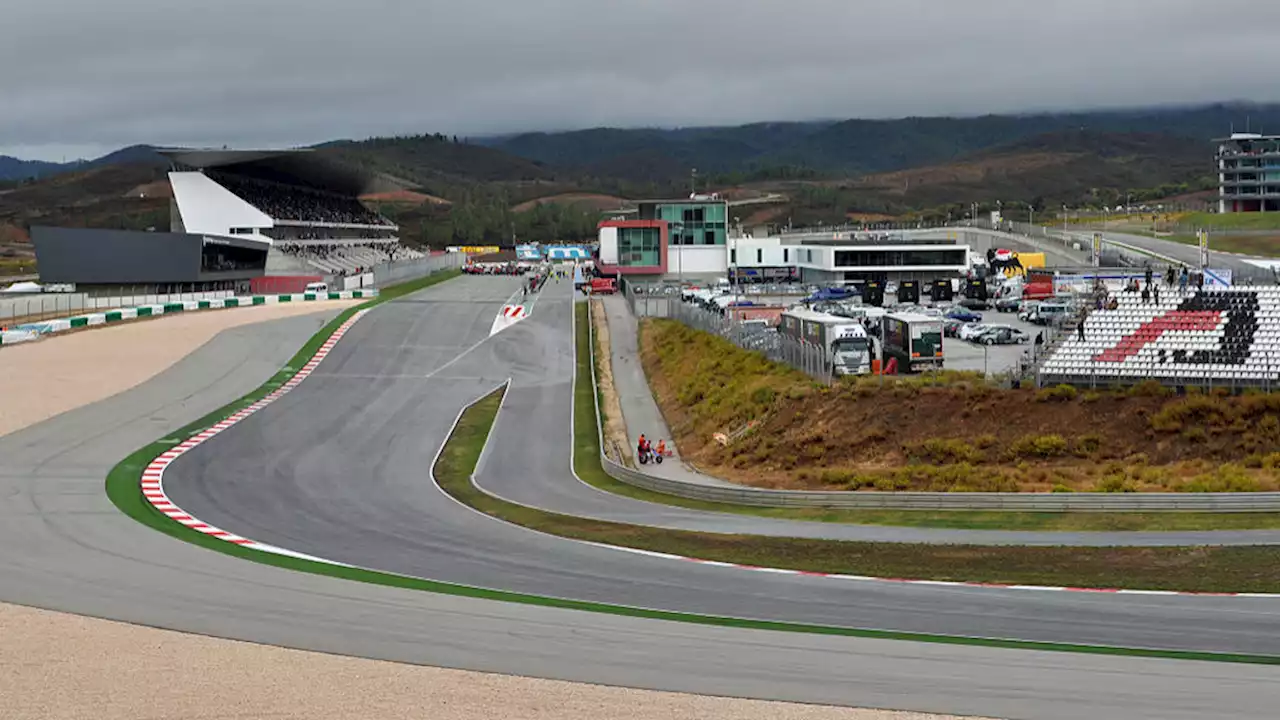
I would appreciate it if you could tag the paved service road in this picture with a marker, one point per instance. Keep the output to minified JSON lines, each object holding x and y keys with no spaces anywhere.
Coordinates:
{"x":339,"y":468}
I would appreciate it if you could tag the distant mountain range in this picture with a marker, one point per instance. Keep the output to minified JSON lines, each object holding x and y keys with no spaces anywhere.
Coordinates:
{"x":854,"y":147}
{"x":846,"y":148}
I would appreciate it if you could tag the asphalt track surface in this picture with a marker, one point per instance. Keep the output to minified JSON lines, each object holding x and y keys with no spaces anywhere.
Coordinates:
{"x":353,"y":485}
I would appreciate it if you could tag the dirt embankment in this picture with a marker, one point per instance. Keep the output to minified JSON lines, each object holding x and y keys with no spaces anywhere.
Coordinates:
{"x":615,"y":428}
{"x":958,"y":434}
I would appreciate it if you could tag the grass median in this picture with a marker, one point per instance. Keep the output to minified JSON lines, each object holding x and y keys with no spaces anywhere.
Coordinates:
{"x":1197,"y":569}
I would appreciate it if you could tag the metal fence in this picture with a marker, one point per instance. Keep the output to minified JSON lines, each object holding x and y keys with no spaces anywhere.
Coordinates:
{"x":809,"y":359}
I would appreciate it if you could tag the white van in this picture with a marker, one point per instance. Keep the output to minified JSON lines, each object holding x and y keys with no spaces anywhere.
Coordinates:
{"x":317,"y":287}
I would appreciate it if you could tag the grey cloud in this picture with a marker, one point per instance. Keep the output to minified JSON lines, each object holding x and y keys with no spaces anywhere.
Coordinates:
{"x":86,"y":73}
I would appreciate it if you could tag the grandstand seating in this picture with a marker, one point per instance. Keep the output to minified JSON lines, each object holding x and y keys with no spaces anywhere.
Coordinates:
{"x":1228,"y":336}
{"x":298,"y":204}
{"x":347,"y":258}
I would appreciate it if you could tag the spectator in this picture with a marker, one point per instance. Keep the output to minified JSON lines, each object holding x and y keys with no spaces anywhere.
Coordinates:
{"x":1146,"y":295}
{"x":1080,"y":328}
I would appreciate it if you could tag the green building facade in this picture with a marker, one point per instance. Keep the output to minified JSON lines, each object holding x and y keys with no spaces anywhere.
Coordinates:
{"x":639,"y":246}
{"x":691,"y":222}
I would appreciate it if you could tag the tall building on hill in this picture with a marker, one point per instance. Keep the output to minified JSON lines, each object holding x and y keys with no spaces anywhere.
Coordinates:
{"x":1248,"y":173}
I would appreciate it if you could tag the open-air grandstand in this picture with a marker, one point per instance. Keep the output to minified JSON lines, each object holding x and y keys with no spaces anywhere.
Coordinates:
{"x":302,"y":205}
{"x":345,"y":257}
{"x":1220,"y":337}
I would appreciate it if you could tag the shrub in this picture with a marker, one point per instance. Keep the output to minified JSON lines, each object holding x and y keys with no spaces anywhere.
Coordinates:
{"x":1039,"y":446}
{"x":1194,"y":410}
{"x":1057,"y":393}
{"x":1089,"y":443}
{"x":942,"y":451}
{"x":1060,"y":488}
{"x":1091,"y":396}
{"x":763,"y":396}
{"x":1228,"y":478}
{"x":1195,"y":435}
{"x":982,"y":442}
{"x":1114,"y":484}
{"x":1150,"y":388}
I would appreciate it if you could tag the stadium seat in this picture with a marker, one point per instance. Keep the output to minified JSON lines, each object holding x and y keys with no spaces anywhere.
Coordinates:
{"x":1222,"y":336}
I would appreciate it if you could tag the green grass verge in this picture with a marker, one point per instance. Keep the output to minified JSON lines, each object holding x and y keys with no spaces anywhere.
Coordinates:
{"x":457,"y":462}
{"x":1264,"y":246}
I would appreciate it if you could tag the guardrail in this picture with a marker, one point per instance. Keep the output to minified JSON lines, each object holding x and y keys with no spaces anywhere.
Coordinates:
{"x":872,"y":500}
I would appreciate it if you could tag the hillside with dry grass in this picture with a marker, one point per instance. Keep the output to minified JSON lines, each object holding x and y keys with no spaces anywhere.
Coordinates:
{"x":953,"y":433}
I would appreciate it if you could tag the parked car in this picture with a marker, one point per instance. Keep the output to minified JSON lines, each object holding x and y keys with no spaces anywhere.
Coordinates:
{"x":969,"y":331}
{"x":951,"y":328}
{"x":1009,"y":304}
{"x":1003,"y":335}
{"x":964,"y":314}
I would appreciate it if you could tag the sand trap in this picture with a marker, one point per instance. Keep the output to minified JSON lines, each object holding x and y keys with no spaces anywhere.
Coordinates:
{"x":55,"y":666}
{"x":74,"y":668}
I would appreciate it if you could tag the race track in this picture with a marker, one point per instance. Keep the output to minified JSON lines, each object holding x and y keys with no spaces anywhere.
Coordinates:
{"x":339,"y":468}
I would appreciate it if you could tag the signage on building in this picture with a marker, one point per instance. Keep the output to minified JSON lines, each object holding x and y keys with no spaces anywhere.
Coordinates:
{"x":474,"y":249}
{"x":1203,"y":237}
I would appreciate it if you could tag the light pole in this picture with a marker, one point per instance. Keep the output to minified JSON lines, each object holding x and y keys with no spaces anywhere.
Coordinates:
{"x":679,"y":229}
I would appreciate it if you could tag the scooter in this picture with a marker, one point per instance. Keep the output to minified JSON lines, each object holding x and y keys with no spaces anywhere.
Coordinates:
{"x":653,"y":455}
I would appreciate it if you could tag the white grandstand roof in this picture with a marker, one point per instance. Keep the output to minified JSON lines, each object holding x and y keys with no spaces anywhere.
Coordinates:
{"x":301,"y":166}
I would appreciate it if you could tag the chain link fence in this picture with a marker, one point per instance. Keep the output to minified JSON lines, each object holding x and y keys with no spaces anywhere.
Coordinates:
{"x":757,"y":337}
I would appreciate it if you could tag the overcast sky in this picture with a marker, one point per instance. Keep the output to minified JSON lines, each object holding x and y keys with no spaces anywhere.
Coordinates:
{"x":82,"y":77}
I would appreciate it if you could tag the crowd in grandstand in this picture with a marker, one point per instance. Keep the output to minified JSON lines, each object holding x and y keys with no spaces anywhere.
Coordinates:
{"x":347,"y":258}
{"x":284,"y":202}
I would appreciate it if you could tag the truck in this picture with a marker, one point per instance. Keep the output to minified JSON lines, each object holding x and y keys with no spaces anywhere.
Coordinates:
{"x":914,"y":340}
{"x":844,"y":341}
{"x":603,"y":286}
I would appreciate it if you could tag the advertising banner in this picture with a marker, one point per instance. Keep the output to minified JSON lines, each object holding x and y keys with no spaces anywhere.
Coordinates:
{"x":1097,"y":249}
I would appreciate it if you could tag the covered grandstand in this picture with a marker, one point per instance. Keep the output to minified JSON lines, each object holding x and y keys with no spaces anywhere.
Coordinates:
{"x":305,"y":206}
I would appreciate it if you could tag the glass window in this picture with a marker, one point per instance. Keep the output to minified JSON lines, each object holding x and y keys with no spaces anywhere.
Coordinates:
{"x":639,"y":247}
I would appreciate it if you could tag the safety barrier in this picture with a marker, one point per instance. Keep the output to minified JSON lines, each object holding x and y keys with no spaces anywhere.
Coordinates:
{"x":872,"y":500}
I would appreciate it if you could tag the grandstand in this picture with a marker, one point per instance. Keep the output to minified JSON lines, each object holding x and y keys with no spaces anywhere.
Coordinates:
{"x":305,"y":206}
{"x":1214,"y":337}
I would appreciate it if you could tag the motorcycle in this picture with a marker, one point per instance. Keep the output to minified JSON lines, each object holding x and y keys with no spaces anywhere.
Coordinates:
{"x":649,"y":455}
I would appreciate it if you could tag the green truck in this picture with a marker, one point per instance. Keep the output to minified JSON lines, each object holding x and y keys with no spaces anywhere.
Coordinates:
{"x":915,"y":340}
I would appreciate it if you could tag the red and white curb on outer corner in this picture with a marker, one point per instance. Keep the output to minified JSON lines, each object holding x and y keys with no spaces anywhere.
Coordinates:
{"x":153,"y":475}
{"x":513,"y":312}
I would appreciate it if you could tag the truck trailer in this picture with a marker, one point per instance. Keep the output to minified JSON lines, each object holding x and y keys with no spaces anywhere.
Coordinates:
{"x":915,"y":340}
{"x":844,"y":341}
